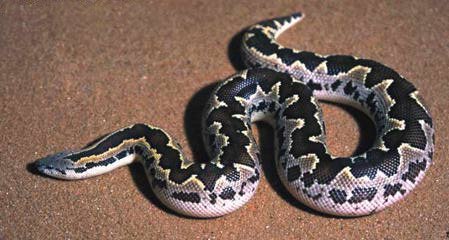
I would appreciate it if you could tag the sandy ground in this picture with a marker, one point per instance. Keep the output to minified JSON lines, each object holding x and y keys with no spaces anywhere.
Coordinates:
{"x":70,"y":73}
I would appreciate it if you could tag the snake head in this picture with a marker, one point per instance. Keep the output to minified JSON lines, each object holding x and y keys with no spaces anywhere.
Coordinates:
{"x":55,"y":165}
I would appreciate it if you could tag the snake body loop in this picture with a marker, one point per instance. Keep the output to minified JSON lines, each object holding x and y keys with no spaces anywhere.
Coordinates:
{"x":281,"y":87}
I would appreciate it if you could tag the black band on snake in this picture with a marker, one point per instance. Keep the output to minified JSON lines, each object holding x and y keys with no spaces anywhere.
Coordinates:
{"x":281,"y":87}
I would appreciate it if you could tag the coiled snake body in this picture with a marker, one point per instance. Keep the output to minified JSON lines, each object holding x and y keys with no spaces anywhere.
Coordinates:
{"x":280,"y":88}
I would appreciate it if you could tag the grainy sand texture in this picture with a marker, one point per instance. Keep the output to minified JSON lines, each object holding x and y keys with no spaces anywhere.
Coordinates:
{"x":71,"y":72}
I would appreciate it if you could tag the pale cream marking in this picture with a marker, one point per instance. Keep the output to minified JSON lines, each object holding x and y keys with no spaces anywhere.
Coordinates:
{"x":428,"y":131}
{"x":407,"y":155}
{"x":268,"y":32}
{"x":381,"y":89}
{"x":163,"y":174}
{"x":244,"y":74}
{"x":278,"y":24}
{"x":417,"y":97}
{"x":252,"y":150}
{"x":193,"y":179}
{"x":258,"y":95}
{"x":396,"y":124}
{"x":321,"y":69}
{"x":110,"y":152}
{"x":244,"y":167}
{"x":357,"y":74}
{"x":299,"y":66}
{"x":105,"y":138}
{"x":243,"y":102}
{"x":223,"y":142}
{"x":274,"y":93}
{"x":317,"y":139}
{"x":298,"y":123}
{"x":308,"y":162}
{"x":291,"y":100}
{"x":345,"y":178}
{"x":241,"y":117}
{"x":381,"y":145}
{"x":217,"y":103}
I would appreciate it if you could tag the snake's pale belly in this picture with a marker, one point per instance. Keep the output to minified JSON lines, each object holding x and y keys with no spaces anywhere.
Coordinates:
{"x":281,"y":87}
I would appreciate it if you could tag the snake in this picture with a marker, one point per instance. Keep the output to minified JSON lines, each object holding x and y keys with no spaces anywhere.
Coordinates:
{"x":281,"y":86}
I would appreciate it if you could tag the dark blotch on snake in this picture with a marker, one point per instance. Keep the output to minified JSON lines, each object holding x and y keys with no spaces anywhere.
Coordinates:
{"x":187,"y":197}
{"x":339,"y":64}
{"x":227,"y":193}
{"x":413,"y":170}
{"x":335,"y":84}
{"x":255,"y":177}
{"x":338,"y":196}
{"x":361,"y":194}
{"x":391,"y":190}
{"x":349,"y":88}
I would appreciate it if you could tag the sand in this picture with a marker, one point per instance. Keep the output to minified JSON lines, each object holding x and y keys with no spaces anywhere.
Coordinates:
{"x":70,"y":73}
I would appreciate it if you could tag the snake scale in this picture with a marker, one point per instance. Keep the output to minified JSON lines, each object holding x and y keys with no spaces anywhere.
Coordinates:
{"x":281,"y":86}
